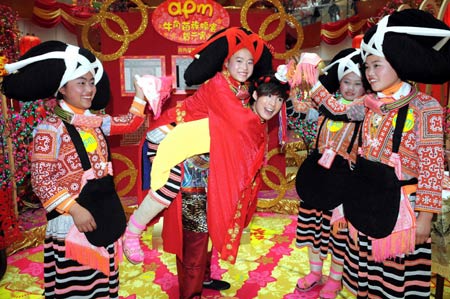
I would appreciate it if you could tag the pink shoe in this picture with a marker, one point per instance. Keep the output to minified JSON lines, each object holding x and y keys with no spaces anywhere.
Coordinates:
{"x":330,"y":289}
{"x":309,"y":281}
{"x":132,"y":248}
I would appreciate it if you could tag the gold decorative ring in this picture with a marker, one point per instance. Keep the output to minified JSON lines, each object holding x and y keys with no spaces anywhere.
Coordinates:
{"x":130,"y":172}
{"x":283,"y":18}
{"x":126,"y":37}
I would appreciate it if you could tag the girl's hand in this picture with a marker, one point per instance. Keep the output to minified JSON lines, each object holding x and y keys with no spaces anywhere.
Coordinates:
{"x":82,"y":218}
{"x":423,"y":224}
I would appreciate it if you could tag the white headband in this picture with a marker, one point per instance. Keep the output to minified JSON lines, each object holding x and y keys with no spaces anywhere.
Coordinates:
{"x":76,"y":64}
{"x":375,"y":44}
{"x":346,"y":65}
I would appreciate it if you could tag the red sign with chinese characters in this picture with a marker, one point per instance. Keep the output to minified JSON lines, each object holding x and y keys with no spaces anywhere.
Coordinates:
{"x":188,"y":21}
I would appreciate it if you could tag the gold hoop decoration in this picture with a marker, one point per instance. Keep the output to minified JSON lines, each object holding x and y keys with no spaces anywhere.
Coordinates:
{"x":281,"y":188}
{"x":442,"y":10}
{"x":144,"y":17}
{"x":95,"y":19}
{"x":283,"y":18}
{"x":125,"y":37}
{"x":427,"y":4}
{"x":130,"y":172}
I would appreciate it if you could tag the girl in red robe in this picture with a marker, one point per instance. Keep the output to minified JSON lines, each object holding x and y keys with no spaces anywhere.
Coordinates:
{"x":216,"y":119}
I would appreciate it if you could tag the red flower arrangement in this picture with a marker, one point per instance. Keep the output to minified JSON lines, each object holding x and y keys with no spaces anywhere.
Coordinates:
{"x":446,"y":122}
{"x":20,"y":126}
{"x":9,"y":33}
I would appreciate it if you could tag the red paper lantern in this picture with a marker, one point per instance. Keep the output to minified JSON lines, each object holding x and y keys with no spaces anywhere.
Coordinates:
{"x":356,"y":42}
{"x":27,"y":42}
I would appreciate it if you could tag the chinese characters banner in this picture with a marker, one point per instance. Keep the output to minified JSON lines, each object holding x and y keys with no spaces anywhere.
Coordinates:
{"x":188,"y":21}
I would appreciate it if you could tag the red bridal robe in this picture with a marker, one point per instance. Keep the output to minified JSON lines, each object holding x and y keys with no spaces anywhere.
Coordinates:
{"x":237,"y":149}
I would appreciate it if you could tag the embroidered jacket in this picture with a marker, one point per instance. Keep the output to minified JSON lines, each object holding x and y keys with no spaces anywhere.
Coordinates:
{"x":337,"y":135}
{"x":421,"y":148}
{"x":57,"y":175}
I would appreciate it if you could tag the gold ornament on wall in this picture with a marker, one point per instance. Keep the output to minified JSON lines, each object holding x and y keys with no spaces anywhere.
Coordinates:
{"x":283,"y":185}
{"x":126,"y":37}
{"x":283,"y":20}
{"x":130,"y":172}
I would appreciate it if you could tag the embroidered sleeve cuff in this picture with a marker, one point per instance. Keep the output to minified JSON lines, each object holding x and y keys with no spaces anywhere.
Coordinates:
{"x":315,"y":93}
{"x":138,"y":106}
{"x":139,"y":100}
{"x":428,"y":209}
{"x":57,"y":200}
{"x":65,"y":206}
{"x":316,"y":86}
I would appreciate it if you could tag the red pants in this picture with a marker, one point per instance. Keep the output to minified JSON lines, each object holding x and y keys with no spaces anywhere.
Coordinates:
{"x":195,"y":267}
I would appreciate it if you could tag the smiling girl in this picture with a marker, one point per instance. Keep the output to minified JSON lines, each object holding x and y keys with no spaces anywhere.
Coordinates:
{"x":71,"y":170}
{"x":319,"y":184}
{"x":217,"y":119}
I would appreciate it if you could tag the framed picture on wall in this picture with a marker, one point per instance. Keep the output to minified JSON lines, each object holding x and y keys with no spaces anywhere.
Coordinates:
{"x":139,"y":65}
{"x":179,"y":66}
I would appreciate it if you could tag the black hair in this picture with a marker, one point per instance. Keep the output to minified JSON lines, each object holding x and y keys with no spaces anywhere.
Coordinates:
{"x":269,"y":85}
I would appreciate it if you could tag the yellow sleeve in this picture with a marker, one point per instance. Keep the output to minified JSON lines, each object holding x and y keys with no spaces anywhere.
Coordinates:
{"x":185,"y":140}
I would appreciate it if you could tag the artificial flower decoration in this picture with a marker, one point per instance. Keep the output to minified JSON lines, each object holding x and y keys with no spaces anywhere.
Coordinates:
{"x":291,"y":70}
{"x":307,"y":68}
{"x":9,"y":33}
{"x":281,"y":73}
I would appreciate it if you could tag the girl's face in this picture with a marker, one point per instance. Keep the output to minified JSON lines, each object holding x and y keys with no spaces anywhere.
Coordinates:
{"x":80,"y":92}
{"x":351,"y":86}
{"x":240,"y":65}
{"x":380,"y":73}
{"x":267,"y":106}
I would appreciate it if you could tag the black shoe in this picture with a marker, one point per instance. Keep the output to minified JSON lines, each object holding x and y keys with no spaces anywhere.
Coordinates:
{"x":217,"y":285}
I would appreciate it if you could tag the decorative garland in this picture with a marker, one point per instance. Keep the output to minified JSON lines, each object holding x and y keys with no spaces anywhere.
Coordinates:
{"x":21,"y":125}
{"x":9,"y":33}
{"x":446,"y":121}
{"x":296,"y":120}
{"x":306,"y":129}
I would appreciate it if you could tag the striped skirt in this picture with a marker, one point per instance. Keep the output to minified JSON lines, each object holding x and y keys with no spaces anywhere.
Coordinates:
{"x":66,"y":278}
{"x":402,"y":277}
{"x":315,"y":231}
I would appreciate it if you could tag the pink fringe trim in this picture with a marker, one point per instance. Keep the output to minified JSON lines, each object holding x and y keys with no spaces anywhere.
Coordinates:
{"x":402,"y":240}
{"x":79,"y":249}
{"x":396,"y":244}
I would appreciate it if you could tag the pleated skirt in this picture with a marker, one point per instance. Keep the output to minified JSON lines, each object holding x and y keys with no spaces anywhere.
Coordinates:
{"x":315,"y":231}
{"x":68,"y":279}
{"x":403,"y":277}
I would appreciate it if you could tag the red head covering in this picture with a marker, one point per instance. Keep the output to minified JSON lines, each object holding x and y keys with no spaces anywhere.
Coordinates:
{"x":237,"y":39}
{"x":211,"y":55}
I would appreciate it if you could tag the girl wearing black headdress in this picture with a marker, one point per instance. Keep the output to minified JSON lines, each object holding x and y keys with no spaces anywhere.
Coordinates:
{"x":319,"y":181}
{"x":71,"y":170}
{"x":397,"y":183}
